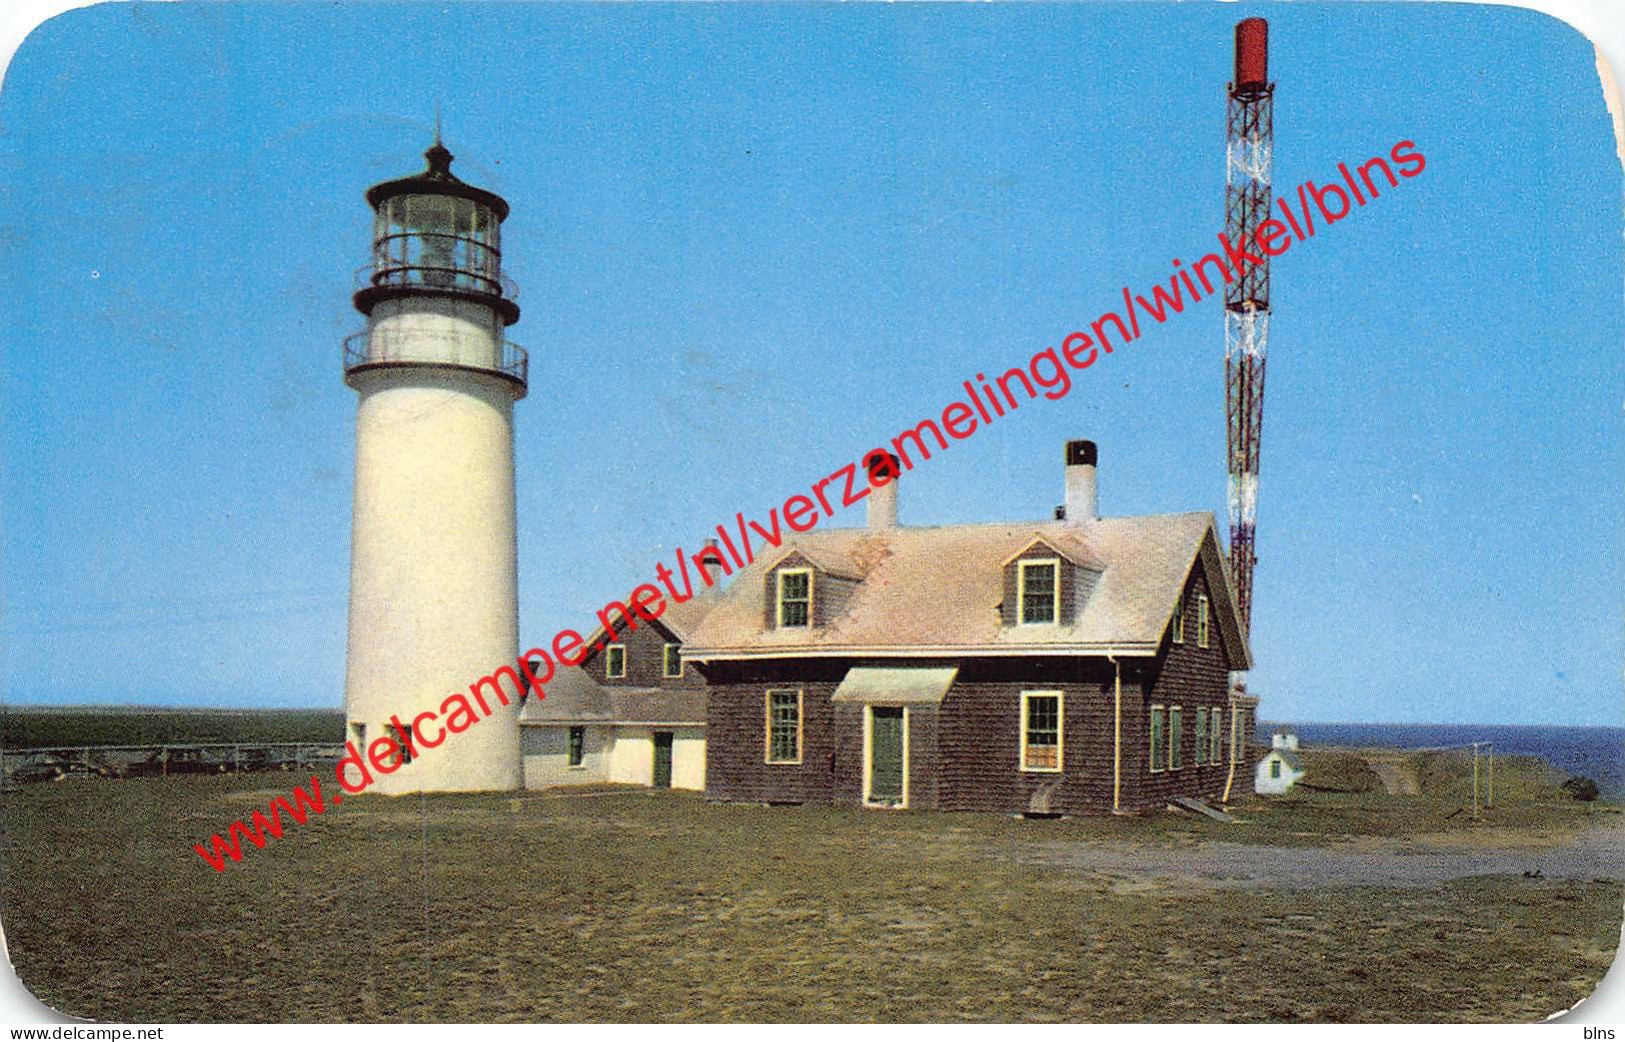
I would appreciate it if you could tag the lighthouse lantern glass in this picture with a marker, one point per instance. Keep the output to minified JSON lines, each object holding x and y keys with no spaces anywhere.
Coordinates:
{"x":442,"y":241}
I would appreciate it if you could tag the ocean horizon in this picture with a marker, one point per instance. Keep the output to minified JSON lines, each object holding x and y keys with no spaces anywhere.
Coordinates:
{"x":1596,"y":752}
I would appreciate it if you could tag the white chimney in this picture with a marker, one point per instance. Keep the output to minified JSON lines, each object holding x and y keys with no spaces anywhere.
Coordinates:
{"x":883,"y":470}
{"x":1081,"y":494}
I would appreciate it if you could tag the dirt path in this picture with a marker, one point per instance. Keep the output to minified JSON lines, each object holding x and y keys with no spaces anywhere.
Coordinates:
{"x":1598,"y":853}
{"x":1397,"y":779}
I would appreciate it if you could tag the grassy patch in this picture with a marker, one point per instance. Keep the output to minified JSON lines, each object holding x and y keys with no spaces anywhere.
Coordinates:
{"x":1528,"y":797}
{"x":641,"y":906}
{"x":1333,"y":770}
{"x":34,"y":728}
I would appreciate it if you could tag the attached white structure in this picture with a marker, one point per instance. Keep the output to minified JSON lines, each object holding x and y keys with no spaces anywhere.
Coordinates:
{"x":1280,"y":768}
{"x":434,"y":568}
{"x":584,"y":733}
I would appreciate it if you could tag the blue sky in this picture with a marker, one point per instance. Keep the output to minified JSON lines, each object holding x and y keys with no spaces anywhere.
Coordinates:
{"x":755,"y":241}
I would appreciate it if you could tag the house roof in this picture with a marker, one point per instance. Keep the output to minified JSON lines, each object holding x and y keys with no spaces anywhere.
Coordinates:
{"x":937,"y":590}
{"x":679,"y":620}
{"x":1066,"y":544}
{"x":829,"y":563}
{"x":682,"y":619}
{"x":573,"y":697}
{"x":569,"y":695}
{"x":1287,"y":756}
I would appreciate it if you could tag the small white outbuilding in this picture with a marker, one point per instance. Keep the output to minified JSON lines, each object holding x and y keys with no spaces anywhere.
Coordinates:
{"x":583,"y":733}
{"x":1280,"y":768}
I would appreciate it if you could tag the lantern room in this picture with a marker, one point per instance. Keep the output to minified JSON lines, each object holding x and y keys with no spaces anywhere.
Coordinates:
{"x":433,"y":233}
{"x":433,"y":292}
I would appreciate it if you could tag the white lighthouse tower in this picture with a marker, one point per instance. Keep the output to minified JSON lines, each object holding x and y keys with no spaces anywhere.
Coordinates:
{"x":434,"y":566}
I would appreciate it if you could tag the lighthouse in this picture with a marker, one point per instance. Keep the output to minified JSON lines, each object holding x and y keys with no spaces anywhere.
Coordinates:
{"x":434,"y":566}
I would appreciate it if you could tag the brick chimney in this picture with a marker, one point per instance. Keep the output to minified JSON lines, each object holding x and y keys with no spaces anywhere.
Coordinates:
{"x":711,"y":571}
{"x":1082,"y":502}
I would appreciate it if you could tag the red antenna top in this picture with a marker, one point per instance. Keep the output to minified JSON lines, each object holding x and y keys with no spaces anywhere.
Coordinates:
{"x":1252,"y":55}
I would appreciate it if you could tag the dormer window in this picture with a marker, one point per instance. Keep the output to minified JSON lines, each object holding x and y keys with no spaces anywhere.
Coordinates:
{"x":795,"y":597}
{"x":615,"y":661}
{"x":1038,"y":591}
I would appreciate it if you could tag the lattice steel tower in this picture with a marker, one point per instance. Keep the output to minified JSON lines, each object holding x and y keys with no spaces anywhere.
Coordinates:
{"x":1249,"y":147}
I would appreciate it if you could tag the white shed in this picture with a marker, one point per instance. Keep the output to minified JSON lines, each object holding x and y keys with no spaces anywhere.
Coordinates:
{"x":583,"y":733}
{"x":1280,"y":768}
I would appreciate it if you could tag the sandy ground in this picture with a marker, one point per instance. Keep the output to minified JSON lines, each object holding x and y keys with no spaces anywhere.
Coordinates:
{"x":1592,"y":854}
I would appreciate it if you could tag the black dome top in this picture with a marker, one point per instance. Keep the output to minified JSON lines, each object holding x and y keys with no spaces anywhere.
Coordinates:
{"x":437,"y":179}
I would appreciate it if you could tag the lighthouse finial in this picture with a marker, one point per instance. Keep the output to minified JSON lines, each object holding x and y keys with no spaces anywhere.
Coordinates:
{"x":438,"y":156}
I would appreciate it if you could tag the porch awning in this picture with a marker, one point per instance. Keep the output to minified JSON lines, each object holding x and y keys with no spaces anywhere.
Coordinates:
{"x":896,"y":686}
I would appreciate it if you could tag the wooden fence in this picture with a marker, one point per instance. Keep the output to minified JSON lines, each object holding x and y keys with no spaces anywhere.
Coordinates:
{"x":172,"y":757}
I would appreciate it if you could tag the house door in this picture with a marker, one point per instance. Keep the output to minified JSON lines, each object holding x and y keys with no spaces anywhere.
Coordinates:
{"x":886,"y":755}
{"x":662,"y":760}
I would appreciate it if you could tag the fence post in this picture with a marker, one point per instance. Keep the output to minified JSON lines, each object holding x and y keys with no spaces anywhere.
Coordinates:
{"x":1475,"y":781}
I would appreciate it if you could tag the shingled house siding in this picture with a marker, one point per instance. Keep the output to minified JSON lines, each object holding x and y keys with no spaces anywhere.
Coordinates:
{"x":965,"y":753}
{"x":736,"y":731}
{"x":645,"y":649}
{"x":846,"y":770}
{"x":924,"y":758}
{"x":831,"y":768}
{"x":830,"y":598}
{"x":1193,"y":678}
{"x":846,"y":766}
{"x":1250,"y":749}
{"x":979,"y":738}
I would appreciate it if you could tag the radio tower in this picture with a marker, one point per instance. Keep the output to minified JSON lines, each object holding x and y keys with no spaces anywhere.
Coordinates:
{"x":1250,"y":141}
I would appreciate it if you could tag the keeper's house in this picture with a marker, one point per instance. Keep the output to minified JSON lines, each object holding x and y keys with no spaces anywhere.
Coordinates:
{"x":1073,"y":666}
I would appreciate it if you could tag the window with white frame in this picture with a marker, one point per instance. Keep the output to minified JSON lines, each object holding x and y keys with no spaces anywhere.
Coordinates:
{"x":1201,"y":737}
{"x":1042,"y":730}
{"x":795,"y":597}
{"x":615,"y":661}
{"x":1159,"y":748}
{"x":1038,"y":591}
{"x":671,"y":664}
{"x":1201,"y":620}
{"x":1216,"y":736}
{"x":1179,"y":621}
{"x":784,"y":726}
{"x":1176,"y":737}
{"x":577,"y":754}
